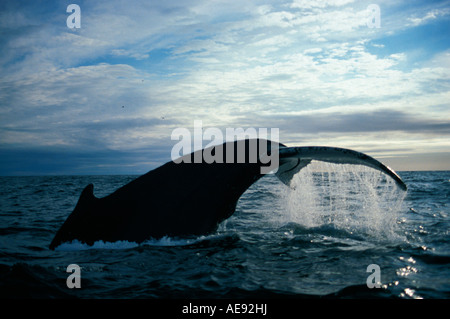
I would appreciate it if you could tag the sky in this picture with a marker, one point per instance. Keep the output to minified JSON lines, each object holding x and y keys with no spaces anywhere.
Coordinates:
{"x":105,"y":98}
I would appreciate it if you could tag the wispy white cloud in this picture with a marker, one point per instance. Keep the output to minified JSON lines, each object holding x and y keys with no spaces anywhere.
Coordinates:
{"x":429,"y":16}
{"x":305,"y":4}
{"x":128,"y":53}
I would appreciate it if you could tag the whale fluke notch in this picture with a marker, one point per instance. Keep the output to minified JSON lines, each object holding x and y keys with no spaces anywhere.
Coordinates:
{"x":191,"y":198}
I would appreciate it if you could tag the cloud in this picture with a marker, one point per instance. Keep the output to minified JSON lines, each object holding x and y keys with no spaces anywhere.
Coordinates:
{"x":132,"y":74}
{"x":59,"y":161}
{"x":429,"y":16}
{"x":126,"y":53}
{"x":360,"y":122}
{"x":319,"y":4}
{"x":65,"y":107}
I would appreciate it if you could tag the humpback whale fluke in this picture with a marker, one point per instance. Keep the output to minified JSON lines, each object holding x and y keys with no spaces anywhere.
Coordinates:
{"x":191,"y":197}
{"x":295,"y":158}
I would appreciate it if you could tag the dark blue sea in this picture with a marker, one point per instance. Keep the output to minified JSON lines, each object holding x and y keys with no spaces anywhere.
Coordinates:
{"x":314,"y":240}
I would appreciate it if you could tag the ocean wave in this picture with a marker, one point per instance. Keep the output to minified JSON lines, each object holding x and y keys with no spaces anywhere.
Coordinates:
{"x":315,"y":247}
{"x":165,"y":241}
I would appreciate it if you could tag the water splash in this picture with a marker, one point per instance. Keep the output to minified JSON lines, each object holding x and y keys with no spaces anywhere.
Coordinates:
{"x":166,"y":241}
{"x":353,"y":198}
{"x":76,"y":245}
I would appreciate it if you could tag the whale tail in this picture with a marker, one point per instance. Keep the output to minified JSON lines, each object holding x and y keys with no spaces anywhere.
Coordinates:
{"x":192,"y":195}
{"x":78,"y":217}
{"x":293,"y":159}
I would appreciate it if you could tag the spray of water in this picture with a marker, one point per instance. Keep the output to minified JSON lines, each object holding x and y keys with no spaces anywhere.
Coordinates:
{"x":353,"y":198}
{"x":76,"y":245}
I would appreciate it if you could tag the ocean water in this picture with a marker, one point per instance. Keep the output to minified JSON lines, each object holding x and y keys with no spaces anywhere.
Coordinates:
{"x":320,"y":238}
